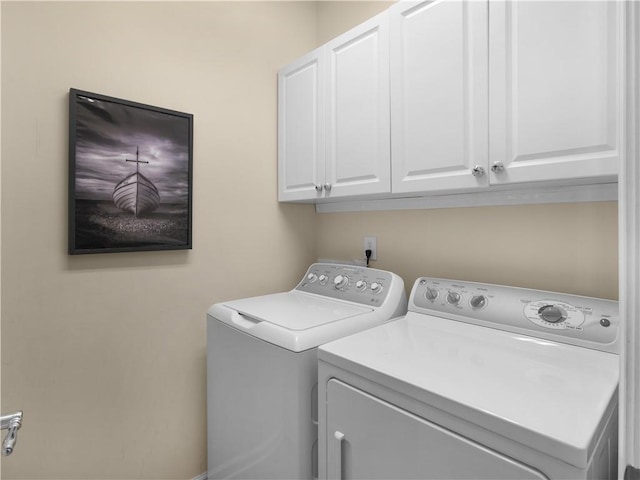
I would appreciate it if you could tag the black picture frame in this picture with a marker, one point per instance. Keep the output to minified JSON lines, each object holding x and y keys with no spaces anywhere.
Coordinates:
{"x":130,"y":176}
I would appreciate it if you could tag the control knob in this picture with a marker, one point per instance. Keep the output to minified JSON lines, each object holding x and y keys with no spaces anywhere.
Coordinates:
{"x":453,"y":298}
{"x":323,"y":279}
{"x":552,"y":314}
{"x":312,"y":277}
{"x":478,"y":302}
{"x":376,"y":287}
{"x":340,"y":281}
{"x":361,"y":285}
{"x":431,"y":294}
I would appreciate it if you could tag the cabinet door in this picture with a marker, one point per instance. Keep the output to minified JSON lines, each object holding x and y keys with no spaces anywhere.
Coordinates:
{"x":358,"y":136}
{"x":301,"y":128}
{"x":555,"y":89}
{"x":370,"y":439}
{"x":439,"y":95}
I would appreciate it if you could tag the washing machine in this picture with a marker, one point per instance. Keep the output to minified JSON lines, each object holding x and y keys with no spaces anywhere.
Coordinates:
{"x":262,"y":367}
{"x":477,"y":381}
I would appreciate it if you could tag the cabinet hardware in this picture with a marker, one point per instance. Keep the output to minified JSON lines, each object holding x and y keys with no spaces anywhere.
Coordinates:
{"x":477,"y":171}
{"x":497,"y":167}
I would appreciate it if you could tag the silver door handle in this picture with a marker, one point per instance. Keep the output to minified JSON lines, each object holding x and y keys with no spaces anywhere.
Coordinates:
{"x":339,"y":437}
{"x":11,"y":422}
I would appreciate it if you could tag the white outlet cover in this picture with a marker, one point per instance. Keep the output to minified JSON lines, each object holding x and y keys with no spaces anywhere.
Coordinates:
{"x":371,"y":242}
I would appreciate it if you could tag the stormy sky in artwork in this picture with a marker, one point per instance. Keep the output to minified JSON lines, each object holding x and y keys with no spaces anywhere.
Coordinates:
{"x":108,"y":133}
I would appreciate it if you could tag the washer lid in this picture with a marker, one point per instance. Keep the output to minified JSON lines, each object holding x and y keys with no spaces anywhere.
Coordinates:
{"x":295,"y":321}
{"x":294,"y":310}
{"x":549,"y":396}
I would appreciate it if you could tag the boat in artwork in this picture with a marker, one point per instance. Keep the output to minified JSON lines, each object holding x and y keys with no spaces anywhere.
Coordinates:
{"x":136,"y":193}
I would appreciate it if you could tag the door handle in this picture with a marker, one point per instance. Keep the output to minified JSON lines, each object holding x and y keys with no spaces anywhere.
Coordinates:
{"x":339,"y":436}
{"x":11,"y":422}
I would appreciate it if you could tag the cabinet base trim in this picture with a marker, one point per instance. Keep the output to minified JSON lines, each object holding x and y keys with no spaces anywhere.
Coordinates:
{"x":566,"y":194}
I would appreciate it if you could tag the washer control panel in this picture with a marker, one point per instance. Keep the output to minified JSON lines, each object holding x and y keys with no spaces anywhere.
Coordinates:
{"x":584,"y":321}
{"x":367,"y":286}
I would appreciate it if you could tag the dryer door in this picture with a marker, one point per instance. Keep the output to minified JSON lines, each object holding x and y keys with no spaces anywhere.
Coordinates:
{"x":372,"y":439}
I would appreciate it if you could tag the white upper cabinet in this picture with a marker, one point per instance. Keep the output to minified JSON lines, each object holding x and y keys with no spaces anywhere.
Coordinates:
{"x":333,"y":118}
{"x":301,"y":128}
{"x":439,"y":95}
{"x":555,"y":95}
{"x":358,"y":130}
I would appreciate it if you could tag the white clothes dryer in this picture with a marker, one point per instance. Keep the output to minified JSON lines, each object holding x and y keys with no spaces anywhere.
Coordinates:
{"x":262,"y":367}
{"x":477,"y":381}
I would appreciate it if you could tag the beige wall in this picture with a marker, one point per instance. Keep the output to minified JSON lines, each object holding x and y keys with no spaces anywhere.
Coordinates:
{"x":566,"y":247}
{"x":336,"y":17}
{"x":106,"y":353}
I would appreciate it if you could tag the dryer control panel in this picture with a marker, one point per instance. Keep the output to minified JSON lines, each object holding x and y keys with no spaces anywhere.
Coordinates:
{"x":352,"y":283}
{"x":584,"y":321}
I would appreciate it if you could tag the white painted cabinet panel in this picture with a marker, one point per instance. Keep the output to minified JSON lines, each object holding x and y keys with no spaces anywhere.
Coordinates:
{"x":555,"y":89}
{"x":439,"y":95}
{"x":358,"y":129}
{"x":333,"y":118}
{"x":301,"y":128}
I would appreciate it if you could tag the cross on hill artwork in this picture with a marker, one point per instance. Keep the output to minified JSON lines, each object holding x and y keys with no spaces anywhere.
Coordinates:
{"x":130,"y":176}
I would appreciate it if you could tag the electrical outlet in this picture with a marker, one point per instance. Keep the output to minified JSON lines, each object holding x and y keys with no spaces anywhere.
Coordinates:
{"x":370,"y":244}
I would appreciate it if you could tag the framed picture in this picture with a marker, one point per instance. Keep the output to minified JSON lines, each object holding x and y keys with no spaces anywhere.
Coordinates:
{"x":130,"y":176}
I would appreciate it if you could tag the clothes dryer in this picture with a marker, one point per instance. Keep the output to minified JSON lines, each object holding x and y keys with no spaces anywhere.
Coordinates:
{"x":262,"y":367}
{"x":477,"y":381}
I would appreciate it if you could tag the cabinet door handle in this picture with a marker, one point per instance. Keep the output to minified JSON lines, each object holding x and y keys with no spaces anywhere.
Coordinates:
{"x":11,"y":422}
{"x":497,"y":167}
{"x":327,"y":186}
{"x":477,"y":171}
{"x":339,"y":436}
{"x":318,"y":188}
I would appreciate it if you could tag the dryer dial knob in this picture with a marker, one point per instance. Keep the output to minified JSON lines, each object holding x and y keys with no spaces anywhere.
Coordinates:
{"x":323,"y":279}
{"x":431,"y":294}
{"x":312,"y":277}
{"x":361,"y":285}
{"x":376,"y":287}
{"x":552,"y":314}
{"x":340,"y":281}
{"x":453,"y":298}
{"x":478,"y":302}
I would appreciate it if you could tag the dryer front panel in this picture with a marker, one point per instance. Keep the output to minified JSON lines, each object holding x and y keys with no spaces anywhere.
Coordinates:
{"x":368,"y":438}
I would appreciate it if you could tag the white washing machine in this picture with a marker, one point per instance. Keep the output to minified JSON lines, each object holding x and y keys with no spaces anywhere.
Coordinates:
{"x":477,"y":381}
{"x":262,"y":367}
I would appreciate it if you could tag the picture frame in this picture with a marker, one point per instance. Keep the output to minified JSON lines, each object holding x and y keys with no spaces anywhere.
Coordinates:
{"x":130,"y":176}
